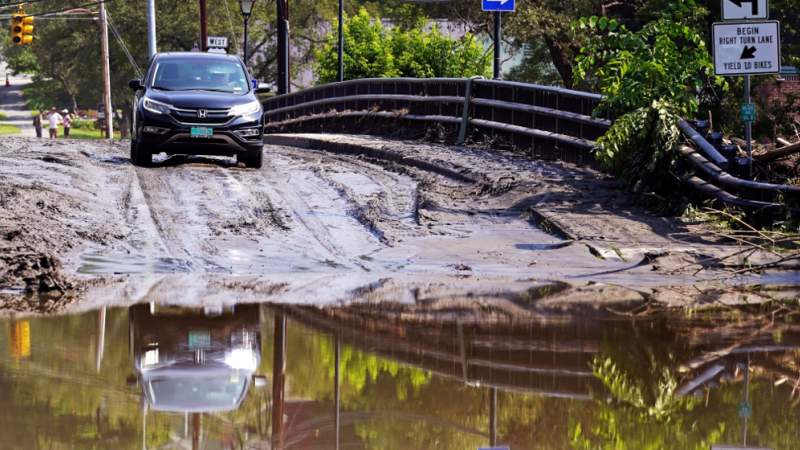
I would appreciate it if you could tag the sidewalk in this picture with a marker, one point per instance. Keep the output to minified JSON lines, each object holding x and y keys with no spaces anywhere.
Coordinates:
{"x":12,"y":104}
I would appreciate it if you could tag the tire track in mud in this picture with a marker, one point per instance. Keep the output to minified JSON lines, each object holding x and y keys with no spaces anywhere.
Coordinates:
{"x":325,"y":219}
{"x":384,"y":203}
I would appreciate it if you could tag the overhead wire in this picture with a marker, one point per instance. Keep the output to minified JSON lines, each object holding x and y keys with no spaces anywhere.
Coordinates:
{"x":122,"y":44}
{"x":63,"y":10}
{"x":230,"y":21}
{"x":17,"y":4}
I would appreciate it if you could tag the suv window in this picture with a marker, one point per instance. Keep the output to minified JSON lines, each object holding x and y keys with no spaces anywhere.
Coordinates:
{"x":207,"y":74}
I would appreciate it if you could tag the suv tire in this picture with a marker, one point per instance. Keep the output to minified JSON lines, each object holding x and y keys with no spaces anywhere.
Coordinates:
{"x":139,"y":156}
{"x":252,"y":159}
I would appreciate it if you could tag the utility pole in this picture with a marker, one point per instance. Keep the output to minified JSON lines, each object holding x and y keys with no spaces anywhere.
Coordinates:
{"x":151,"y":28}
{"x":203,"y":26}
{"x":106,"y":71}
{"x":283,"y":46}
{"x":341,"y":40}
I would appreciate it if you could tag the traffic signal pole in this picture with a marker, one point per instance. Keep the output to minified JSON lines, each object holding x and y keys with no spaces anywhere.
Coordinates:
{"x":106,"y":71}
{"x":203,"y":25}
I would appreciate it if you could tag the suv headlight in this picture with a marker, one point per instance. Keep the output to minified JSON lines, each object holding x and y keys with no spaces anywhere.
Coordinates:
{"x":156,"y":107}
{"x":246,"y":109}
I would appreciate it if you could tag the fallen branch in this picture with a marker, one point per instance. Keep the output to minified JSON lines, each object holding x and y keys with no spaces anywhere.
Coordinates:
{"x":783,"y":152}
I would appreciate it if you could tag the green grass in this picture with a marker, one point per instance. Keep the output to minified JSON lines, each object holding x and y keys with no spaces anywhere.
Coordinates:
{"x":3,"y":116}
{"x":6,"y":130}
{"x":84,"y":133}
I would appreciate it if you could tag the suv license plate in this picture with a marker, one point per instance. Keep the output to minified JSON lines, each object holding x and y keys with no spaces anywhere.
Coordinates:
{"x":201,"y":132}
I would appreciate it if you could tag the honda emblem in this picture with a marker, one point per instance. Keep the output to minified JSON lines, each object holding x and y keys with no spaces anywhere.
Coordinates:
{"x":202,"y":113}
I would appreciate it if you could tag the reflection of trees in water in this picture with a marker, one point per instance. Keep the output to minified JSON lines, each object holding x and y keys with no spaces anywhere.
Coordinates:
{"x":58,"y":399}
{"x":642,"y":407}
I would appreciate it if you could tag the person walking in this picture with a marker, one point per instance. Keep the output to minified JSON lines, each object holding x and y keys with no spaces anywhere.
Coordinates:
{"x":37,"y":124}
{"x":55,"y":118}
{"x":67,"y":121}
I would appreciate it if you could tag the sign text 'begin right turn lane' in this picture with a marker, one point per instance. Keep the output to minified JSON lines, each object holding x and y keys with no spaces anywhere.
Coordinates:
{"x":747,"y":48}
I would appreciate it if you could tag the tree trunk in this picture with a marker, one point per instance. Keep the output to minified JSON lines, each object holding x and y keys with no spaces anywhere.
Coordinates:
{"x":561,"y":60}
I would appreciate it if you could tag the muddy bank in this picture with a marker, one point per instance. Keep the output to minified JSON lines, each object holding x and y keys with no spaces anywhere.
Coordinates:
{"x":318,"y":224}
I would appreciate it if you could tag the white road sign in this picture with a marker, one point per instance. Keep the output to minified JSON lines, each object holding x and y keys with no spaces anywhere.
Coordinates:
{"x":217,"y":42}
{"x":747,"y":48}
{"x":744,"y":9}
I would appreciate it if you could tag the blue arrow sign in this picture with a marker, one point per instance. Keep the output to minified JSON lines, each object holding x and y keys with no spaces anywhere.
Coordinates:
{"x":499,"y":5}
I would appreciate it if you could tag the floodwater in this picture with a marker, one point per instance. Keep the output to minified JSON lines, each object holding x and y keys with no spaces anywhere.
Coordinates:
{"x":264,"y":377}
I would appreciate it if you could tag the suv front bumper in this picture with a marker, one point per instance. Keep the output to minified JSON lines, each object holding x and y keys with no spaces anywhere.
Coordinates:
{"x":162,"y":133}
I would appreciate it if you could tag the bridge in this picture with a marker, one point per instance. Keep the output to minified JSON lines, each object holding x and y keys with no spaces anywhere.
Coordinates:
{"x":542,"y":122}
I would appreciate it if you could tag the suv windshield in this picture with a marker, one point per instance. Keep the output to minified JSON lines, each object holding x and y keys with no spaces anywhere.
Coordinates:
{"x":202,"y":74}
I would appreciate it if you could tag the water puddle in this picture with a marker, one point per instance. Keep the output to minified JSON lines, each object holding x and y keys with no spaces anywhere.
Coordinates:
{"x":260,"y":376}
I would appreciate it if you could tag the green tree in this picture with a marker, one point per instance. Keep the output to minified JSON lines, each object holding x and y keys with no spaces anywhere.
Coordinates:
{"x":649,"y":79}
{"x":374,"y":51}
{"x":368,"y":54}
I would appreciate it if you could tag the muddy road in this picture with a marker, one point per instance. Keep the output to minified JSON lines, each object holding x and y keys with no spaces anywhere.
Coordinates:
{"x":326,"y":219}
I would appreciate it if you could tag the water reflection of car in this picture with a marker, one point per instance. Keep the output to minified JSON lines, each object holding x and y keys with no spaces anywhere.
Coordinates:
{"x":195,"y":360}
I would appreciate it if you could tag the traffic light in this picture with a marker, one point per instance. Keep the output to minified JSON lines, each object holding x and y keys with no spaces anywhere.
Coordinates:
{"x":21,"y":28}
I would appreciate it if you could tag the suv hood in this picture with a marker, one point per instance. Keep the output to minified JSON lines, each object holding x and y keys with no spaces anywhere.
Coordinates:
{"x":200,"y":99}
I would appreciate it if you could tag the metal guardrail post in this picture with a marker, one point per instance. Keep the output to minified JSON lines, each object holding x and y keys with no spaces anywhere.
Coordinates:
{"x":462,"y":131}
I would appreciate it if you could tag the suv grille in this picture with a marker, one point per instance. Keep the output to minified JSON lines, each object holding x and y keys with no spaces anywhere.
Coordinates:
{"x":212,"y":116}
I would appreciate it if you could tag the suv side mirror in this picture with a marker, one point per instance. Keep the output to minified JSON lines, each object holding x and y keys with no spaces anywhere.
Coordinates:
{"x":259,"y":381}
{"x":136,"y":85}
{"x":262,"y":88}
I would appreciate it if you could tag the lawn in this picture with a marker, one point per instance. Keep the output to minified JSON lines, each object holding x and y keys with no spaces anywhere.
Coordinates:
{"x":6,"y":130}
{"x":86,"y":133}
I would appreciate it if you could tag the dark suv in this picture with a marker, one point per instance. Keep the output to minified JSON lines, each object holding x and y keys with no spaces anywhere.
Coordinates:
{"x":196,"y":104}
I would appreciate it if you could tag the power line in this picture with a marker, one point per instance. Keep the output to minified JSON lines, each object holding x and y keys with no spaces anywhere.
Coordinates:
{"x":57,"y":11}
{"x":125,"y":49}
{"x":16,"y":4}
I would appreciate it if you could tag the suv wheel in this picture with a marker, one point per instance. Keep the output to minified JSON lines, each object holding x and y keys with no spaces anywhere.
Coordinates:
{"x":139,"y":156}
{"x":253,"y":159}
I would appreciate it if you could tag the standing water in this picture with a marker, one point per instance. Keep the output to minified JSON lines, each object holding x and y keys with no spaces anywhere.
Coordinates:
{"x":264,"y":377}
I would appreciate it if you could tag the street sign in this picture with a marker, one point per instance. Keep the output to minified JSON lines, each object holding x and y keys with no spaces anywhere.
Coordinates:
{"x":217,"y":42}
{"x":499,"y":5}
{"x":747,"y":48}
{"x":745,"y":409}
{"x":748,"y":112}
{"x":744,"y":9}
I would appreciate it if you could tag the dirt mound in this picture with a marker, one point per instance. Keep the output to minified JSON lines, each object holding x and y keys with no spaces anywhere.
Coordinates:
{"x":38,"y":272}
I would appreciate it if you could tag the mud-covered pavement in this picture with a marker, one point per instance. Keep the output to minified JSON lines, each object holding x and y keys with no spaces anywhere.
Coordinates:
{"x":80,"y":227}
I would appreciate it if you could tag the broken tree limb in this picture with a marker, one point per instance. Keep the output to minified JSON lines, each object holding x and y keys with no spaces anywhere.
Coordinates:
{"x":779,"y":153}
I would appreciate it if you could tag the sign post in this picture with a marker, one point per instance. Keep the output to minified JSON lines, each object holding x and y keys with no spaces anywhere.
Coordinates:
{"x":746,"y":48}
{"x":498,"y":7}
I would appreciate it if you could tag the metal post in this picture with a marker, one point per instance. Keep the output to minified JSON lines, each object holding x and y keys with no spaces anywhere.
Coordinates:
{"x":283,"y":46}
{"x":493,"y":417}
{"x":278,"y":380}
{"x":336,"y":393}
{"x":101,"y":339}
{"x":341,"y":40}
{"x":203,"y":26}
{"x":246,"y":26}
{"x":746,"y":399}
{"x":498,"y":25}
{"x":748,"y":129}
{"x":106,"y":71}
{"x":152,"y":48}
